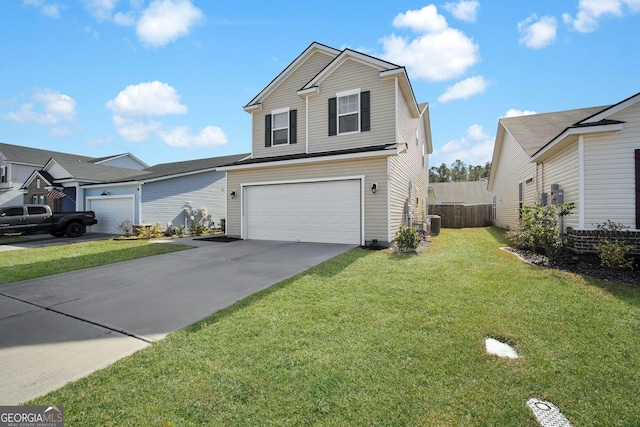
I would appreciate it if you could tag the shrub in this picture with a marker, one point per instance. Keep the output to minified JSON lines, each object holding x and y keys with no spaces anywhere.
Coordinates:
{"x":223,"y":224}
{"x":614,"y":253}
{"x":407,"y":238}
{"x":149,"y":232}
{"x":539,"y":227}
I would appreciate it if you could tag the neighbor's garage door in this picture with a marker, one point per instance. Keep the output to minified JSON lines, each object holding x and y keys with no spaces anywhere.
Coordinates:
{"x":110,"y":211}
{"x":326,"y":212}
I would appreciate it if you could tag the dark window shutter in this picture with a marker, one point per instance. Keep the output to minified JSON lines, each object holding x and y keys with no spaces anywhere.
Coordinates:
{"x":293,"y":126}
{"x":333,"y":117}
{"x":267,"y":130}
{"x":638,"y":189}
{"x":365,"y":111}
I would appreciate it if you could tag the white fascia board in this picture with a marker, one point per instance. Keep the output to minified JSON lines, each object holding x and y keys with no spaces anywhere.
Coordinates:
{"x":614,"y":109}
{"x":309,"y":91}
{"x":379,"y":153}
{"x":584,"y":130}
{"x":253,"y":107}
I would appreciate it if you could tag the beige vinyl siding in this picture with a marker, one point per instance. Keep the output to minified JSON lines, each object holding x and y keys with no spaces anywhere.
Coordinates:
{"x":283,"y":96}
{"x":610,"y":172}
{"x":409,"y":177}
{"x":352,"y":75}
{"x":374,"y":170}
{"x":514,"y":167}
{"x":562,"y":169}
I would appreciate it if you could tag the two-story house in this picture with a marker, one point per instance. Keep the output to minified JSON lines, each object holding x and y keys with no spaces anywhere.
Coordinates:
{"x":339,"y":153}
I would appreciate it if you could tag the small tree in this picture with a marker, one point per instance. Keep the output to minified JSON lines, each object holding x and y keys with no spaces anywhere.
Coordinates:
{"x":407,"y":238}
{"x":539,"y":227}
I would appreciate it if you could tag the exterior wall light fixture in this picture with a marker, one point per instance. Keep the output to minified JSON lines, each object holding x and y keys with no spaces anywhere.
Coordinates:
{"x":233,"y":194}
{"x":374,"y":187}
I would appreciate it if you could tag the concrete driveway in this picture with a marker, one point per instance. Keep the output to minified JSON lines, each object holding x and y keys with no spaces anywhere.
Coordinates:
{"x":60,"y":328}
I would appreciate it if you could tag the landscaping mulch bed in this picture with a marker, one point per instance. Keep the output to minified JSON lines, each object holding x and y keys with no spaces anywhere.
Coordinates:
{"x":221,"y":239}
{"x":584,"y":264}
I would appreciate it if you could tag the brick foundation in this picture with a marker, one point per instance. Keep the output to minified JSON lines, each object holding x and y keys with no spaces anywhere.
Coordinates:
{"x":583,"y":241}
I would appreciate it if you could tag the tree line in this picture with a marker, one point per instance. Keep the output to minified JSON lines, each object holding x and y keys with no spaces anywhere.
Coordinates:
{"x":459,"y":171}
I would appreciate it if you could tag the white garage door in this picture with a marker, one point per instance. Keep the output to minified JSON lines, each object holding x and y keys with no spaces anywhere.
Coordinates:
{"x":326,"y":212}
{"x":110,"y":211}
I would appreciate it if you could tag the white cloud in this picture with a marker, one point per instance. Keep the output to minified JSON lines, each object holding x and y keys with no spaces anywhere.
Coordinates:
{"x":514,"y":113}
{"x":100,"y":9}
{"x":425,"y":20}
{"x":209,"y":137}
{"x":50,"y":108}
{"x":135,"y":130}
{"x":147,"y":99}
{"x":165,"y":21}
{"x":475,"y":148}
{"x":438,"y":53}
{"x":591,"y":11}
{"x":47,"y":9}
{"x":464,"y":10}
{"x":154,"y":99}
{"x":465,"y":89}
{"x":536,"y":33}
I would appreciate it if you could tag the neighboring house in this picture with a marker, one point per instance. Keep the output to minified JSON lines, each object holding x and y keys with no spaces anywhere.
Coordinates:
{"x":339,"y":153}
{"x":588,"y":156}
{"x":459,"y":193}
{"x":461,"y":204}
{"x":168,"y":192}
{"x":17,"y":163}
{"x":118,"y":188}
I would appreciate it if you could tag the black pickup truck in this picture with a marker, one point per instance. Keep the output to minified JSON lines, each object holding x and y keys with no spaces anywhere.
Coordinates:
{"x":38,"y":218}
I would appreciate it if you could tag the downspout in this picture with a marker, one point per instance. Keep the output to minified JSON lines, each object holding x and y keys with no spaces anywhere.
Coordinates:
{"x":581,"y":204}
{"x":306,"y":124}
{"x":140,"y":204}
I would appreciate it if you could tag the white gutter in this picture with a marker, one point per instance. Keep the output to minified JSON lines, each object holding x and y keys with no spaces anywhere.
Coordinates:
{"x":380,"y":153}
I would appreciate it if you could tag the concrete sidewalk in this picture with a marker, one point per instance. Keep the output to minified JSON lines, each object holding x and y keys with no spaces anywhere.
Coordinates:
{"x":60,"y":328}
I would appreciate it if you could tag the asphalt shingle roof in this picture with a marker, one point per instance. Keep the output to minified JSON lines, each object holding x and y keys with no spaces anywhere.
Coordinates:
{"x":534,"y":131}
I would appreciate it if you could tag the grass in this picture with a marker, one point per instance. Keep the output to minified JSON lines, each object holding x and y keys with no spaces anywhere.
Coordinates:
{"x":27,"y":264}
{"x":374,"y":338}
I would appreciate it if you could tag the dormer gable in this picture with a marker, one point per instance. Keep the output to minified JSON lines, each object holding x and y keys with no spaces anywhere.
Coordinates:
{"x":124,"y":160}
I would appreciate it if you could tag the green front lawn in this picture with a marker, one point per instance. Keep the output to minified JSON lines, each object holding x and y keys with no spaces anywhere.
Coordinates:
{"x":374,"y":338}
{"x":26,"y":264}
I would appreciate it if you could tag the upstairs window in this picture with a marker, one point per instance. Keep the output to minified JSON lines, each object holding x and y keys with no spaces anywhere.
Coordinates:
{"x":349,"y":112}
{"x":280,"y":127}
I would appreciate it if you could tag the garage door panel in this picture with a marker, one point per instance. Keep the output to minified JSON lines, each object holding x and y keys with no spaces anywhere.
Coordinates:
{"x":327,"y":212}
{"x":110,"y":212}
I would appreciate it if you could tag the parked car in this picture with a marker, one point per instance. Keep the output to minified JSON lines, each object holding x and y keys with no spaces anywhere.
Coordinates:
{"x":39,"y":218}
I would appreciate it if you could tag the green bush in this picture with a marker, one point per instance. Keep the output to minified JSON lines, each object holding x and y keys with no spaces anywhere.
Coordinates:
{"x":614,"y":254}
{"x":149,"y":231}
{"x":539,"y":227}
{"x":407,"y":238}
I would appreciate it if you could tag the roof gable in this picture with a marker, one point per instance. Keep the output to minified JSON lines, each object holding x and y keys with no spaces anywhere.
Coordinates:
{"x":314,"y":47}
{"x":535,"y":131}
{"x":610,"y":111}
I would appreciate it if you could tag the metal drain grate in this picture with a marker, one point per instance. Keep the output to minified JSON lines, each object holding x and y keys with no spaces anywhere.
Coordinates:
{"x":547,"y":414}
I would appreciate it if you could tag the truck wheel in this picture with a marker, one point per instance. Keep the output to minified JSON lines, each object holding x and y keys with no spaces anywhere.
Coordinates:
{"x":75,"y":229}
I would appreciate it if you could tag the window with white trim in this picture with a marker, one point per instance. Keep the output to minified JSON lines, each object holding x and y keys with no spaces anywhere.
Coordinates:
{"x":348,"y":111}
{"x":280,"y":126}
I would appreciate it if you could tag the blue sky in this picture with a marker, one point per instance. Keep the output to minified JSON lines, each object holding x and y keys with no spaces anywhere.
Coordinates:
{"x":166,"y":79}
